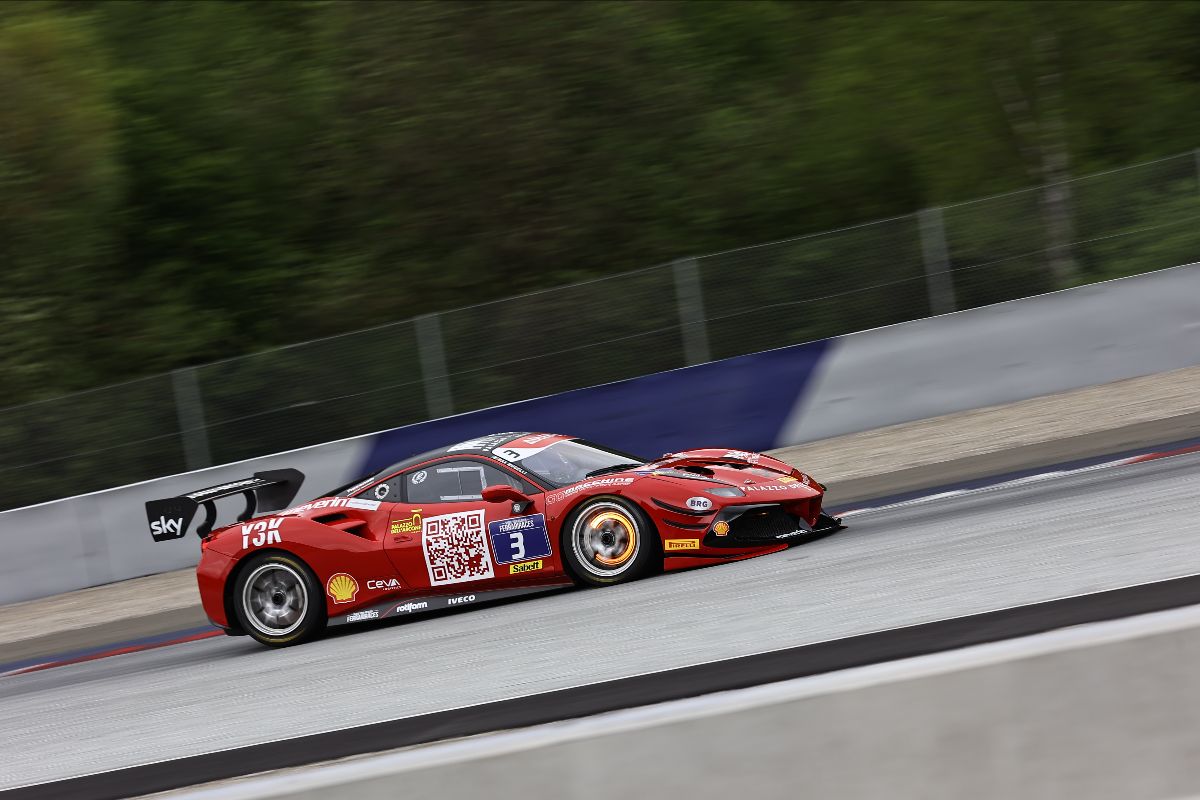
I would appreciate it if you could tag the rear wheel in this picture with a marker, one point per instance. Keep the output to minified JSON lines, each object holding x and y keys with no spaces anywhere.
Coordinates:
{"x":609,"y":540}
{"x":278,"y":601}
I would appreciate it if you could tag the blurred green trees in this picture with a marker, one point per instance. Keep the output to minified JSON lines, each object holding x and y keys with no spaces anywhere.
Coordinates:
{"x":185,"y":181}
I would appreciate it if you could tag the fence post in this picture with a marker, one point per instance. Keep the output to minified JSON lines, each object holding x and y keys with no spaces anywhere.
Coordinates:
{"x":438,"y":399}
{"x":938,"y":280}
{"x":1196,"y":156}
{"x":690,"y":300}
{"x":189,"y":406}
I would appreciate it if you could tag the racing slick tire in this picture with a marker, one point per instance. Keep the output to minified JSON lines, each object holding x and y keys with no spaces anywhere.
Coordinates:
{"x":609,"y":540}
{"x":278,"y":601}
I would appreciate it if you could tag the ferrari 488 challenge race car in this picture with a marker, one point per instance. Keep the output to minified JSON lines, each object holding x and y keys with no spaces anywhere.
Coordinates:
{"x":490,"y":518}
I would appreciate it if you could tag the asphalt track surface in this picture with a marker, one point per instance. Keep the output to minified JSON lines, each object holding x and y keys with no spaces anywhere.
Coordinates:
{"x":916,"y":563}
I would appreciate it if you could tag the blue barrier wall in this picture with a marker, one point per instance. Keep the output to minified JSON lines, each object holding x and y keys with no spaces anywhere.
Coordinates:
{"x":741,"y":403}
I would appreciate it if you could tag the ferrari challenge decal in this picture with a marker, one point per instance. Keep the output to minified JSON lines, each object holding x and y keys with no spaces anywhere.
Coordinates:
{"x":520,"y":539}
{"x":342,"y":588}
{"x":456,"y":548}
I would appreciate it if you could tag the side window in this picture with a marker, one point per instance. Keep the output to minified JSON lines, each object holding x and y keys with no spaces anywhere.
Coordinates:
{"x":451,"y":481}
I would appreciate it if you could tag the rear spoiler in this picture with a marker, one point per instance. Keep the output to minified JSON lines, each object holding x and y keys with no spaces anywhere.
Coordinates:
{"x":269,"y":490}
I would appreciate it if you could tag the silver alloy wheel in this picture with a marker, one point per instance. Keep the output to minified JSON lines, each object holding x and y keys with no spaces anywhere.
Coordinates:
{"x":606,"y":539}
{"x":274,"y":599}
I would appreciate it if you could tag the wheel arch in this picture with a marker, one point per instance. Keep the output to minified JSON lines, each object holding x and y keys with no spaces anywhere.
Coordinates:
{"x":652,"y":536}
{"x":242,"y":565}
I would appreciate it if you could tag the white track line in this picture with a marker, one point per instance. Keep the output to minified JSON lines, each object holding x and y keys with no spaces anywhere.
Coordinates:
{"x":1037,"y":478}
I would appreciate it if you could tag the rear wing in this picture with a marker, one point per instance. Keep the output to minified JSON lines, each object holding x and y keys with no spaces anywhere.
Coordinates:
{"x":269,"y":490}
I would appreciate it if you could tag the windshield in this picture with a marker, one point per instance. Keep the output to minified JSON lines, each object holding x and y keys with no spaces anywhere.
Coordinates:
{"x":571,"y":461}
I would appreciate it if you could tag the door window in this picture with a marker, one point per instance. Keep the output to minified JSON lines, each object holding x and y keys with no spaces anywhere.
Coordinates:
{"x":455,"y":481}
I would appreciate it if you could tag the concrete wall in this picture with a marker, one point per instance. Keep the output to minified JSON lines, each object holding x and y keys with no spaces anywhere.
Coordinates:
{"x":102,"y":537}
{"x":1110,"y":710}
{"x":998,"y":354}
{"x":1025,"y":348}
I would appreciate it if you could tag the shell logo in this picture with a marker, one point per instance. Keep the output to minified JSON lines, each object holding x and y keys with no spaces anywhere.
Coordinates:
{"x":342,"y":588}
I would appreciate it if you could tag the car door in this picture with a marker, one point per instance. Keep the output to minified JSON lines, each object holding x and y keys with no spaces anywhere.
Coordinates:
{"x":444,"y":537}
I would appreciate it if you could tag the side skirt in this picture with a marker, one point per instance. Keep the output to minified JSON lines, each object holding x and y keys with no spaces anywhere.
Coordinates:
{"x":419,"y":605}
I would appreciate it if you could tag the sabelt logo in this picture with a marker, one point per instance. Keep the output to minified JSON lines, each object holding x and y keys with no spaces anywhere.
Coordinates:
{"x":410,"y":607}
{"x":528,"y":566}
{"x":682,"y":544}
{"x":167,"y":527}
{"x":383,"y":584}
{"x":466,"y":598}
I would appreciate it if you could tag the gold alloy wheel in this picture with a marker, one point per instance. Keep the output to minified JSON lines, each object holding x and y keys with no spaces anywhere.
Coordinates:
{"x":606,"y":539}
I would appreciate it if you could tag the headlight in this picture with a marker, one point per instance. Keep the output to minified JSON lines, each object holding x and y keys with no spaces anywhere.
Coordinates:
{"x":726,"y":491}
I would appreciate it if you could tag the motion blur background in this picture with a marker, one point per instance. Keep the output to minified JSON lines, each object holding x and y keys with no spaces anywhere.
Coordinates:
{"x":194,"y":182}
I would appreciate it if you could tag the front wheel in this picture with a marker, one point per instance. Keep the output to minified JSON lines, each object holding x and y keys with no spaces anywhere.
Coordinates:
{"x":609,"y":540}
{"x":278,"y":601}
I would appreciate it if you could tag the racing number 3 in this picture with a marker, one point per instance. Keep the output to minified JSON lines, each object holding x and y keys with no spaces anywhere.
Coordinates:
{"x":519,"y":538}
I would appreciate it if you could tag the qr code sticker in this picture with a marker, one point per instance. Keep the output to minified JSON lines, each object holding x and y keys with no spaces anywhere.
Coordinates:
{"x":456,"y":548}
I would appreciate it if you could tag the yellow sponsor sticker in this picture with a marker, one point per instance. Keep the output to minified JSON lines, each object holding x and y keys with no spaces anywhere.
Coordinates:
{"x":411,"y":525}
{"x":788,"y":479}
{"x":683,"y":544}
{"x":526,"y":566}
{"x":721,"y":528}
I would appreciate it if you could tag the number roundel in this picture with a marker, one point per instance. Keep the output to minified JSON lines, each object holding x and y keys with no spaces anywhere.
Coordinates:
{"x":520,"y":538}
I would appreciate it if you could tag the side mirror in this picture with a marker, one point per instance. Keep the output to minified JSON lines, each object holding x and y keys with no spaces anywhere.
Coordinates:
{"x":501,"y":493}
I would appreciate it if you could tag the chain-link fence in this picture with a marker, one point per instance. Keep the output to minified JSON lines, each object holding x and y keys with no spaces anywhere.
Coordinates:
{"x":1121,"y":222}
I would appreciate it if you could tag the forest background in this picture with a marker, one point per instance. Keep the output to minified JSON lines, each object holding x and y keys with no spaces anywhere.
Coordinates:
{"x":187,"y":181}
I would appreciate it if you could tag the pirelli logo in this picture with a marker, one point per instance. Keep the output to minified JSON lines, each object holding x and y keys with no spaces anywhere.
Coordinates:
{"x":527,"y":566}
{"x":683,"y":544}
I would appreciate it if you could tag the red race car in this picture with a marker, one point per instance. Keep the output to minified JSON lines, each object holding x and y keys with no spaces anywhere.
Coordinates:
{"x":494,"y":517}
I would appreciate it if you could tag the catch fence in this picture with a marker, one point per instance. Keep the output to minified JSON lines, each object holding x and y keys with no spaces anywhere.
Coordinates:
{"x":1121,"y":222}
